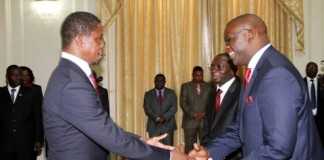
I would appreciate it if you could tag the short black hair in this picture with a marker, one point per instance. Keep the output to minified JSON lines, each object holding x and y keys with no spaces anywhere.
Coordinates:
{"x":197,"y":68}
{"x":11,"y":68}
{"x":77,"y":23}
{"x":30,"y":72}
{"x":229,"y":61}
{"x":159,"y":75}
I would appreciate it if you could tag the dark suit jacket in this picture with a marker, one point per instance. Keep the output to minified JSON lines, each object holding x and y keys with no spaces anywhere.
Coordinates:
{"x":319,"y":117}
{"x":216,"y":122}
{"x":76,"y":125}
{"x":275,"y":120}
{"x":103,"y":94}
{"x":20,"y":122}
{"x":192,"y":103}
{"x":153,"y":109}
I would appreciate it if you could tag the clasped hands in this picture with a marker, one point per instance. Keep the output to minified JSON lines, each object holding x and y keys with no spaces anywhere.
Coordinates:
{"x":198,"y":153}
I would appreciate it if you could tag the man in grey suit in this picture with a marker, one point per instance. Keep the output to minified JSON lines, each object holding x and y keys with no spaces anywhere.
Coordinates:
{"x":193,"y":100}
{"x":76,"y":125}
{"x":160,"y":106}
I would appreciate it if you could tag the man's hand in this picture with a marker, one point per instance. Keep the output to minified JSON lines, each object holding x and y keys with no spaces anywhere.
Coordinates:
{"x":177,"y":154}
{"x":38,"y":148}
{"x":199,"y":153}
{"x":155,"y":141}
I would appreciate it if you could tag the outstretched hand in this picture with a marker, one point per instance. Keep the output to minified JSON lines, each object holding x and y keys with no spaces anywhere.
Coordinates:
{"x":199,"y":153}
{"x":155,"y":141}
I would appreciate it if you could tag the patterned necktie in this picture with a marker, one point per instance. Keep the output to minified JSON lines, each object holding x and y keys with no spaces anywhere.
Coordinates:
{"x":160,"y":97}
{"x":12,"y":95}
{"x":247,"y":77}
{"x":313,"y":96}
{"x":94,"y":83}
{"x":218,"y":100}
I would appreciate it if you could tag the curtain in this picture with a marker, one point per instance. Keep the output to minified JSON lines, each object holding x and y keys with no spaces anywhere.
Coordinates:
{"x":171,"y":37}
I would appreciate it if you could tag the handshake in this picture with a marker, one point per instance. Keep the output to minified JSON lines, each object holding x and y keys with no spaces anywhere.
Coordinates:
{"x":176,"y":153}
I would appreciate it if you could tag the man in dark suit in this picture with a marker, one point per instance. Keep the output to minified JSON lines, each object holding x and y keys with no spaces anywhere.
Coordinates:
{"x":20,"y":119}
{"x":193,"y":101}
{"x":160,"y":106}
{"x":275,"y":119}
{"x":76,"y":125}
{"x":223,"y":100}
{"x":315,"y":92}
{"x":28,"y":78}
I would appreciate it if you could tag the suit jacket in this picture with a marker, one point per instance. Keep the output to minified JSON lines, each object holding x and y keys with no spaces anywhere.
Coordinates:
{"x":20,"y":122}
{"x":275,"y":120}
{"x":216,"y":122}
{"x":192,"y":103}
{"x":76,"y":125}
{"x":167,"y":109}
{"x":319,"y":117}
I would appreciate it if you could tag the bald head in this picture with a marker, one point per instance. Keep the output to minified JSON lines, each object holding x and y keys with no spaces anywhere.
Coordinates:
{"x":250,"y":21}
{"x":244,"y":36}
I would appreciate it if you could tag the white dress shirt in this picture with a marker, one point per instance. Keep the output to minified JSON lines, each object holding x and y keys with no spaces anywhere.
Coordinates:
{"x":85,"y":67}
{"x":225,"y":88}
{"x":16,"y":92}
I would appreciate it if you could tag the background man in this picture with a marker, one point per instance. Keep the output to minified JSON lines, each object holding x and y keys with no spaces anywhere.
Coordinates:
{"x":28,"y":79}
{"x":76,"y":125}
{"x":193,"y":98}
{"x":275,"y":119}
{"x":316,"y":95}
{"x":160,"y":106}
{"x":20,"y":119}
{"x":223,"y":103}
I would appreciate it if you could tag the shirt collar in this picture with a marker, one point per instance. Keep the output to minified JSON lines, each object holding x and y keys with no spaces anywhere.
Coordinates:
{"x":226,"y":85}
{"x":78,"y":61}
{"x":256,"y":57}
{"x":9,"y":88}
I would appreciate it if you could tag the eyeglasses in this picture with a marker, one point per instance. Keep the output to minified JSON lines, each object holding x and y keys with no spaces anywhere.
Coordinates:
{"x":228,"y":39}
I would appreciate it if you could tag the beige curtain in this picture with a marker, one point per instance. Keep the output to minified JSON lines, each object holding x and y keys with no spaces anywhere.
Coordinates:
{"x":172,"y":36}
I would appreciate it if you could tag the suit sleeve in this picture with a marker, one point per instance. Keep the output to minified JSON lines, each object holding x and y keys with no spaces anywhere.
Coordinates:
{"x":278,"y":99}
{"x":38,"y":100}
{"x":148,"y":108}
{"x":225,"y":144}
{"x":184,"y":101}
{"x":82,"y":108}
{"x":173,"y":109}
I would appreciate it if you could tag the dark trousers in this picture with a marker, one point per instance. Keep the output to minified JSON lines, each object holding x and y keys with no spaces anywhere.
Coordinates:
{"x":190,"y":137}
{"x":167,"y":140}
{"x":21,"y":155}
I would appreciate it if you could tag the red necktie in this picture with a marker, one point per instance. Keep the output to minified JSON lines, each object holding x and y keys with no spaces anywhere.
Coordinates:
{"x":247,"y":76}
{"x":94,"y":83}
{"x":218,"y":100}
{"x":160,"y":97}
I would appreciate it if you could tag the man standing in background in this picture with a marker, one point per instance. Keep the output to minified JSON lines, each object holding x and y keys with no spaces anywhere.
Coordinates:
{"x":193,"y":101}
{"x":160,"y":106}
{"x":21,"y":131}
{"x":316,"y":95}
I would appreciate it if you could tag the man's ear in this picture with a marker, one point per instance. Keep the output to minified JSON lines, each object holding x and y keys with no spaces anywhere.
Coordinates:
{"x":251,"y":34}
{"x":79,"y":40}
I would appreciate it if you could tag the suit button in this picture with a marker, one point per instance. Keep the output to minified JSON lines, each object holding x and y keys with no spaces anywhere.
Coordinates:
{"x":14,"y":120}
{"x":14,"y":130}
